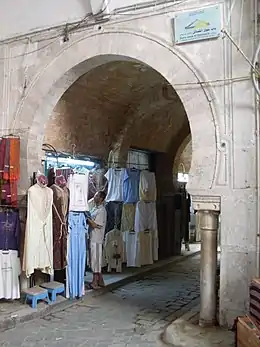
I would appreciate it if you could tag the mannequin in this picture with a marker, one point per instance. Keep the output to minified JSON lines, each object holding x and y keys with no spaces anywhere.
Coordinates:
{"x":38,"y":245}
{"x":60,"y":226}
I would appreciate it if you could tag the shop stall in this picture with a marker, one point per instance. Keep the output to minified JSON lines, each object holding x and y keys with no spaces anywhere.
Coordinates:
{"x":55,"y":243}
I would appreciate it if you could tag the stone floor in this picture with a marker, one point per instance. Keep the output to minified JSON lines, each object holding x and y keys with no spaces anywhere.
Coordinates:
{"x":133,"y":315}
{"x":184,"y":333}
{"x":13,"y":311}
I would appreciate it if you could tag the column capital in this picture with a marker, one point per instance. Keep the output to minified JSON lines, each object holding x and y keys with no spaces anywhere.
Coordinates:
{"x":206,"y":203}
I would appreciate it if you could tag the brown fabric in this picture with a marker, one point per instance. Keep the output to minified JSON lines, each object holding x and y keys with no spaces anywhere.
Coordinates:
{"x":60,"y":226}
{"x":14,"y":170}
{"x":7,"y":160}
{"x":13,"y":193}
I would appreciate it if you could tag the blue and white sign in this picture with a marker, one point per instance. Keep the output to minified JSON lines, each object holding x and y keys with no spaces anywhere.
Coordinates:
{"x":202,"y":24}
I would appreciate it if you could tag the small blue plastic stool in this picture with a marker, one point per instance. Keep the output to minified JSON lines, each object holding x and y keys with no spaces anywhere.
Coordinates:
{"x":36,"y":293}
{"x":54,"y":288}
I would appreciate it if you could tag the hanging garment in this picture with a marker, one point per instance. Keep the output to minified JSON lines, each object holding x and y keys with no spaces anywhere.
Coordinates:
{"x":6,"y":174}
{"x":60,"y":209}
{"x":131,"y":186}
{"x":145,"y":244}
{"x":14,"y":171}
{"x":131,"y":248}
{"x":127,"y":223}
{"x":78,"y":186}
{"x":77,"y":253}
{"x":114,"y":215}
{"x":10,"y":229}
{"x":101,"y":182}
{"x":113,"y":250}
{"x":146,"y":220}
{"x":38,"y":247}
{"x":9,"y":193}
{"x":115,"y":178}
{"x":147,"y":187}
{"x":128,"y":217}
{"x":10,"y":270}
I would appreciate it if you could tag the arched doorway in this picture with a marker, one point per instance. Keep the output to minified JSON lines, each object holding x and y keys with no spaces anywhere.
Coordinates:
{"x":88,"y":51}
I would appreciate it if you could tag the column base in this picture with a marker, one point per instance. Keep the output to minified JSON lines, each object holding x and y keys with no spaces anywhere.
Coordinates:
{"x":207,"y":323}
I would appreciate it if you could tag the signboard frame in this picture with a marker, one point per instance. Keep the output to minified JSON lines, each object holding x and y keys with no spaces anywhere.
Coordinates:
{"x":197,"y":25}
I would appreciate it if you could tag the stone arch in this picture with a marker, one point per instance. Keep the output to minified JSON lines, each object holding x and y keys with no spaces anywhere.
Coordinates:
{"x":179,"y":153}
{"x":85,"y":52}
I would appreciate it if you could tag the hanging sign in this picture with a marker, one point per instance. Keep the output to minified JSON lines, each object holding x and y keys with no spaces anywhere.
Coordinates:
{"x":202,"y":24}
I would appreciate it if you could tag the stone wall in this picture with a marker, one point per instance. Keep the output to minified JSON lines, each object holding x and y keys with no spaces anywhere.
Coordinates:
{"x":212,"y":79}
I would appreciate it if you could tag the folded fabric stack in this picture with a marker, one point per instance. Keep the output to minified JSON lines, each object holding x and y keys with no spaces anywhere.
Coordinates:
{"x":254,"y":306}
{"x":248,"y":327}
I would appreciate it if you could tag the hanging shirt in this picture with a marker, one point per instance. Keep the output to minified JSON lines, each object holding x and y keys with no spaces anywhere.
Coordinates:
{"x":145,"y":222}
{"x":145,"y":216}
{"x":10,"y":270}
{"x":128,"y":217}
{"x":99,"y":216}
{"x":78,"y":186}
{"x":131,"y":186}
{"x":9,"y":230}
{"x":115,"y":179}
{"x":113,"y":250}
{"x":147,"y":188}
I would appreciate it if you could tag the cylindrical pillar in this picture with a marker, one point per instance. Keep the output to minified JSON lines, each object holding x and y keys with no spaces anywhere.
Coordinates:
{"x":208,"y":267}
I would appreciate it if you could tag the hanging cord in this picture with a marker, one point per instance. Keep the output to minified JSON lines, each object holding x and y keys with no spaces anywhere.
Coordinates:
{"x":255,"y":72}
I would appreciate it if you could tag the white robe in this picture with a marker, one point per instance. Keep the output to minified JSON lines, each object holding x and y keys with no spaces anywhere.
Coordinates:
{"x":38,"y":247}
{"x":10,"y":269}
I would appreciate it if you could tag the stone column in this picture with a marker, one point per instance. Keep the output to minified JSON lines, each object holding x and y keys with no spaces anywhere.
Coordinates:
{"x":208,"y":209}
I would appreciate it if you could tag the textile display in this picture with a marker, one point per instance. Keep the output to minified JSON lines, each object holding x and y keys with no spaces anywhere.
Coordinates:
{"x":131,"y":186}
{"x":38,"y":247}
{"x":114,"y":215}
{"x":113,"y":250}
{"x":10,"y":270}
{"x":10,"y":229}
{"x":78,"y":186}
{"x":14,"y":163}
{"x":147,"y":189}
{"x":115,"y":178}
{"x":76,"y":253}
{"x":132,"y":256}
{"x":145,"y":247}
{"x":127,"y":223}
{"x":9,"y":169}
{"x":60,"y":225}
{"x":128,"y":217}
{"x":146,"y":220}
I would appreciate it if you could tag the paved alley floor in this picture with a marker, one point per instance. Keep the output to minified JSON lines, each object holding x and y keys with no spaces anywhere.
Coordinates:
{"x":133,"y":315}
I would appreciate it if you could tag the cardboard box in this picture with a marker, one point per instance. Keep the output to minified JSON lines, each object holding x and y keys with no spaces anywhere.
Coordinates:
{"x":248,"y":332}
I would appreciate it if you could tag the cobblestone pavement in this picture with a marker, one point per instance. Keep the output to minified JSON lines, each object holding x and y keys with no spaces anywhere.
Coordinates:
{"x":130,"y":316}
